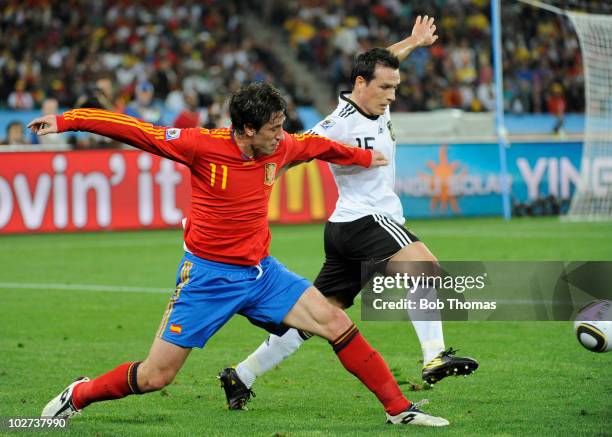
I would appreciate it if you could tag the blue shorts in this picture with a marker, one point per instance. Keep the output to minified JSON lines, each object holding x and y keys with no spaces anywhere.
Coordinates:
{"x":209,"y":293}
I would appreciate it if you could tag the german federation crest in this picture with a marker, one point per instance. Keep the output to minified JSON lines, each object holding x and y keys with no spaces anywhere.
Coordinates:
{"x":270,"y":173}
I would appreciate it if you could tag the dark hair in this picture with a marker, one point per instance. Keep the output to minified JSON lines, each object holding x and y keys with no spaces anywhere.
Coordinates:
{"x":254,"y":105}
{"x":366,"y":63}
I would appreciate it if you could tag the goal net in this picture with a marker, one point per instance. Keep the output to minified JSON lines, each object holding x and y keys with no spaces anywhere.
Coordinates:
{"x":592,"y":199}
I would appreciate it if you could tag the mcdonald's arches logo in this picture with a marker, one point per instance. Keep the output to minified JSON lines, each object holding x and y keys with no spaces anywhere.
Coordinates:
{"x":305,"y":193}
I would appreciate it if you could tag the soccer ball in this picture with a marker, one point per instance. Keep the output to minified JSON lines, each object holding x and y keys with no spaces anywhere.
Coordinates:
{"x":593,"y":326}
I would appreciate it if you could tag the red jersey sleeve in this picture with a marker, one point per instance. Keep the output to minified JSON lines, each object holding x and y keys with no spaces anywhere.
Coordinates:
{"x":172,"y":143}
{"x":304,"y":147}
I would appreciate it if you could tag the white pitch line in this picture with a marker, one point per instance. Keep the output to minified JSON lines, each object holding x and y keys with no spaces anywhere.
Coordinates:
{"x":100,"y":244}
{"x":83,"y":287}
{"x":508,"y":234}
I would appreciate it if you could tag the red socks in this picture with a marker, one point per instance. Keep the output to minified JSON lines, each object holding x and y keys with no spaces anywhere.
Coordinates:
{"x":355,"y":353}
{"x":359,"y":358}
{"x":115,"y":384}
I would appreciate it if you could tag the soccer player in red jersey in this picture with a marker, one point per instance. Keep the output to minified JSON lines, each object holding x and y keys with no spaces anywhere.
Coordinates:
{"x":227,"y":268}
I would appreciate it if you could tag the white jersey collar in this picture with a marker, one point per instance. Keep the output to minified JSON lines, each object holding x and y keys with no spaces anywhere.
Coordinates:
{"x":344,"y":96}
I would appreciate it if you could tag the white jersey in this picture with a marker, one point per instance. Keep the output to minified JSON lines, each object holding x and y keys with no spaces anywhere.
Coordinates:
{"x":362,"y":191}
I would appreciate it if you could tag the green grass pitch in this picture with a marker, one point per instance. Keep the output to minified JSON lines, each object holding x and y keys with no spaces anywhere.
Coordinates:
{"x":80,"y":304}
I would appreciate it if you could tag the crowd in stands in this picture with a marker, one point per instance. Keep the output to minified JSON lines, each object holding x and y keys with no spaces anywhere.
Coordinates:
{"x":541,"y":56}
{"x":176,"y":61}
{"x":165,"y":61}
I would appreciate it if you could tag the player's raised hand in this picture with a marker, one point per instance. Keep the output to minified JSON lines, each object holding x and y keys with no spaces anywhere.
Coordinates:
{"x":378,"y":159}
{"x":44,"y":125}
{"x":423,"y":35}
{"x":424,"y":31}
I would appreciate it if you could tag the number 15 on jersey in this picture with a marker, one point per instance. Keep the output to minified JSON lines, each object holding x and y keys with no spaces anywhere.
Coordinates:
{"x":364,"y":143}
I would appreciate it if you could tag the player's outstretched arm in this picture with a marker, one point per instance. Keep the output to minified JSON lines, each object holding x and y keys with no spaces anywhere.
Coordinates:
{"x":423,"y":35}
{"x":378,"y":160}
{"x":175,"y":144}
{"x":312,"y":146}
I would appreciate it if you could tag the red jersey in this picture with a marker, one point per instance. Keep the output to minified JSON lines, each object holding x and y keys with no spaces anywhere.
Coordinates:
{"x":229,"y":191}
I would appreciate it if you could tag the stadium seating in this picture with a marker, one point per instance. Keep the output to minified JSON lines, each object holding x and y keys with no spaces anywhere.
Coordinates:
{"x":60,"y":49}
{"x":194,"y":54}
{"x":540,"y":51}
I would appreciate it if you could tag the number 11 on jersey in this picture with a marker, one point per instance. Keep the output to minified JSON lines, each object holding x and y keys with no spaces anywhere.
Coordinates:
{"x":213,"y":175}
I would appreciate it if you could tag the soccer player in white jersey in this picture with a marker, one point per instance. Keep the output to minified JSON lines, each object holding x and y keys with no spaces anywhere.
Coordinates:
{"x":367,"y":224}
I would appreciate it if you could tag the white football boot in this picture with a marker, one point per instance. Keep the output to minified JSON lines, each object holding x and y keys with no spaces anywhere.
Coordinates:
{"x":61,"y":406}
{"x":414,"y":416}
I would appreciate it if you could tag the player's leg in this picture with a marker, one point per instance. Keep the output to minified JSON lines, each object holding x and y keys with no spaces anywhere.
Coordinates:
{"x":154,"y":373}
{"x":428,"y":326}
{"x":131,"y":377}
{"x":284,"y":297}
{"x":378,"y":238}
{"x":197,"y":309}
{"x":313,"y":313}
{"x":381,"y":239}
{"x":157,"y":370}
{"x":339,"y":280}
{"x":347,"y":244}
{"x":336,"y":274}
{"x":414,"y":259}
{"x":135,"y":377}
{"x":274,"y":350}
{"x":237,"y":381}
{"x":280,"y":344}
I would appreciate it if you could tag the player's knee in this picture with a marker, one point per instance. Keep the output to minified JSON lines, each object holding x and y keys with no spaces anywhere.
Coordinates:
{"x":338,"y":322}
{"x":161,"y":380}
{"x":155,"y":379}
{"x":417,"y":251}
{"x":415,"y":259}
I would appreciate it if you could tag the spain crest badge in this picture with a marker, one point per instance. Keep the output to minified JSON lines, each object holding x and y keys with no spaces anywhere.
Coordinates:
{"x":270,"y":173}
